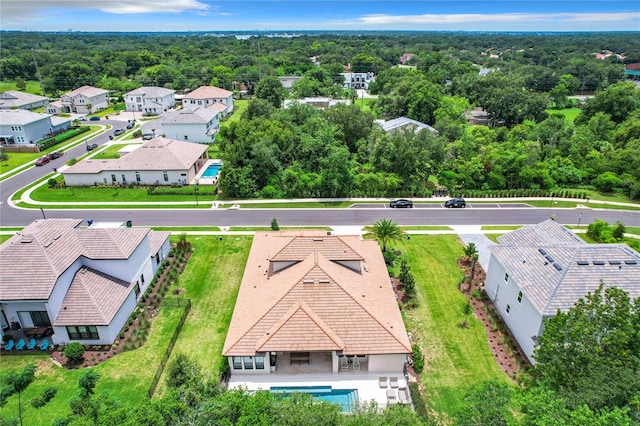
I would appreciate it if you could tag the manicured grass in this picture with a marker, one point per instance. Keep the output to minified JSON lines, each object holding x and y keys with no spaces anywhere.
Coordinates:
{"x":455,"y":358}
{"x":111,"y":152}
{"x":600,"y":196}
{"x":108,"y":194}
{"x":573,"y":204}
{"x":569,"y":113}
{"x":123,"y":206}
{"x":187,"y":229}
{"x":493,"y":237}
{"x":125,"y":377}
{"x":4,"y":238}
{"x":283,"y":228}
{"x":293,"y":205}
{"x":239,"y":106}
{"x":426,"y":228}
{"x":499,"y":227}
{"x":32,"y":87}
{"x":211,"y":280}
{"x":632,"y":230}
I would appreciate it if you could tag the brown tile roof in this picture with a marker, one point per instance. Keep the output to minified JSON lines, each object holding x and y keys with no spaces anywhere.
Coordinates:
{"x":208,"y":92}
{"x":94,"y":298}
{"x":157,"y":154}
{"x":321,"y":302}
{"x":32,"y":260}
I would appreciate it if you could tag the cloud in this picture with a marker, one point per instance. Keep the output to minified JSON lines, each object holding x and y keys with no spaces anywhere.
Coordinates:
{"x":476,"y":18}
{"x":19,"y":10}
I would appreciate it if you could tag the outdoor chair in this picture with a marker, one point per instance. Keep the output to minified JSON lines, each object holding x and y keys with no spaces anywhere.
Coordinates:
{"x":32,"y":344}
{"x":403,"y":396}
{"x":344,"y":363}
{"x":9,"y":346}
{"x":20,"y":345}
{"x":44,"y":345}
{"x":393,"y":381}
{"x":391,"y":396}
{"x":382,"y":382}
{"x":356,"y":364}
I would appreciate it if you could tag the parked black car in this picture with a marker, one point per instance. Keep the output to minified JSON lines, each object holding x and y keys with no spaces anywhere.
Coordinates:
{"x":455,"y":202}
{"x":92,"y":146}
{"x":401,"y":204}
{"x":130,"y":125}
{"x":55,"y":154}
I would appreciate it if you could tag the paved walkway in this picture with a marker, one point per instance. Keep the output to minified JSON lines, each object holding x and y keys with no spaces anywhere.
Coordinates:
{"x":474,"y":234}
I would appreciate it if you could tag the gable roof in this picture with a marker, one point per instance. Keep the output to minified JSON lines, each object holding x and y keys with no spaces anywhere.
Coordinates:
{"x":20,"y":117}
{"x":208,"y":92}
{"x":554,"y":271}
{"x":189,"y":116}
{"x":93,"y":298}
{"x":15,"y":99}
{"x":310,"y":291}
{"x":88,"y":91}
{"x":32,"y":260}
{"x":158,"y":153}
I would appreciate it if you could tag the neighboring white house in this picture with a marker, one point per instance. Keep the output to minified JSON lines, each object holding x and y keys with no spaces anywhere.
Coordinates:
{"x":315,"y":303}
{"x":12,"y":99}
{"x":199,"y":124}
{"x":82,"y":282}
{"x":288,"y":81}
{"x":150,"y":100}
{"x":404,"y":123}
{"x":540,"y":269}
{"x":21,"y":127}
{"x":357,"y":80}
{"x":205,"y":96}
{"x":159,"y":161}
{"x":317,"y":102}
{"x":84,"y":100}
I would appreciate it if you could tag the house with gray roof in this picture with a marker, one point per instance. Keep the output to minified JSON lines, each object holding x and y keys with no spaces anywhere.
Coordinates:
{"x":14,"y":99}
{"x":159,"y":161}
{"x":150,"y":100}
{"x":22,"y":127}
{"x":405,"y":123}
{"x":199,"y":124}
{"x":83,"y":100}
{"x":541,"y":269}
{"x":81,"y":283}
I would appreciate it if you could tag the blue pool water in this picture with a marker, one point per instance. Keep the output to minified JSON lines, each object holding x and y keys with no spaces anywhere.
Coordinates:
{"x":345,"y":398}
{"x":212,"y":171}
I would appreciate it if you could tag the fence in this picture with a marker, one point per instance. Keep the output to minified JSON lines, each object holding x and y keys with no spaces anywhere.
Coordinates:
{"x":170,"y":303}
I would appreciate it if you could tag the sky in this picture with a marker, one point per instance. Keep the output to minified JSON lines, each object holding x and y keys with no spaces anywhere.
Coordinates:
{"x":357,"y":15}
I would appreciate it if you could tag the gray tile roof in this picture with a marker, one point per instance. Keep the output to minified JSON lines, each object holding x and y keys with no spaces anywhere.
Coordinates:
{"x":32,"y":260}
{"x":157,"y":154}
{"x":93,"y":298}
{"x":16,"y":99}
{"x":157,"y":239}
{"x":88,"y":91}
{"x":20,"y":116}
{"x":150,"y":92}
{"x":554,"y":273}
{"x":189,"y":116}
{"x":406,"y":123}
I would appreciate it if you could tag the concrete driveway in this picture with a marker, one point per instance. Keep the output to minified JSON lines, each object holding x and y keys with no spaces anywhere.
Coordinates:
{"x":473,"y":234}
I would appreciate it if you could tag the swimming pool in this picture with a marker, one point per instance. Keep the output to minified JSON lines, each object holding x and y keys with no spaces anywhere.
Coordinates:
{"x":345,"y":398}
{"x":211,"y":171}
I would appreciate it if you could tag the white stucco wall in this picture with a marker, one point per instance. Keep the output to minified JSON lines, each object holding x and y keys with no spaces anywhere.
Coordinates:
{"x":147,"y":177}
{"x":523,"y":319}
{"x":191,"y":132}
{"x":30,"y":132}
{"x":387,"y":363}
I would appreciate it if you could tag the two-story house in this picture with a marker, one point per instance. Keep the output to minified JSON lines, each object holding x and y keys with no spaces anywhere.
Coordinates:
{"x":12,"y":99}
{"x":199,"y":124}
{"x":357,"y":80}
{"x":22,"y":127}
{"x":150,"y":100}
{"x":83,"y":100}
{"x":205,"y":96}
{"x":83,"y":283}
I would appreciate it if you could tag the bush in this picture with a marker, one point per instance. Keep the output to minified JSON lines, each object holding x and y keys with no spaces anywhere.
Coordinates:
{"x":418,"y":359}
{"x":389,"y":257}
{"x":419,"y":403}
{"x":74,"y":352}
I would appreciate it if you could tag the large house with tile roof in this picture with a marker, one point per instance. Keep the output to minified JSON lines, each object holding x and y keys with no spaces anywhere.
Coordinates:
{"x":541,"y":269}
{"x":150,"y":100}
{"x":311,"y":302}
{"x":83,"y":283}
{"x":205,"y":96}
{"x":83,"y":100}
{"x":159,"y":161}
{"x":197,"y":124}
{"x":14,"y":99}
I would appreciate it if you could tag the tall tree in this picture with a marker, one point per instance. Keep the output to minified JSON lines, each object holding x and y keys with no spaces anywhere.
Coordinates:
{"x":385,"y":231}
{"x":270,"y":88}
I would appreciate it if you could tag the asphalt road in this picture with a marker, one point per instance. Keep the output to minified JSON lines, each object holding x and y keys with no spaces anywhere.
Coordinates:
{"x":361,"y":214}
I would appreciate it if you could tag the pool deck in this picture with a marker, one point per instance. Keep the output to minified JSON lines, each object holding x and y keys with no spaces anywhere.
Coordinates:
{"x":366,"y":383}
{"x":207,"y":181}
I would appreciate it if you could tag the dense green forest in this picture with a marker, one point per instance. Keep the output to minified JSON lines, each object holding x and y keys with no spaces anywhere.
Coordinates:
{"x":341,"y":152}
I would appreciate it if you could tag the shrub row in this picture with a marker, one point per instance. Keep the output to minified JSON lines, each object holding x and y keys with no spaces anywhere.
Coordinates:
{"x":189,"y":191}
{"x":510,"y":193}
{"x":49,"y":142}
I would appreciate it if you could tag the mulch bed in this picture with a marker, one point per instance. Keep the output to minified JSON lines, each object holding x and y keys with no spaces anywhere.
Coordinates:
{"x":97,"y":354}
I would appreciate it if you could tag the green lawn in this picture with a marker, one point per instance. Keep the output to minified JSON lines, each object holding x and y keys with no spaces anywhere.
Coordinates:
{"x":425,"y":228}
{"x":107,"y":194}
{"x":32,"y":87}
{"x":111,"y":152}
{"x":125,"y":377}
{"x":4,"y":238}
{"x":239,"y":106}
{"x":499,"y":227}
{"x":455,"y":358}
{"x":493,"y":237}
{"x":179,"y":229}
{"x":294,"y":205}
{"x":569,"y":113}
{"x":282,"y":228}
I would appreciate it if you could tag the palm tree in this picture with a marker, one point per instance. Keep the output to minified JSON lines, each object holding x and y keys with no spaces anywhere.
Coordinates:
{"x":385,"y":231}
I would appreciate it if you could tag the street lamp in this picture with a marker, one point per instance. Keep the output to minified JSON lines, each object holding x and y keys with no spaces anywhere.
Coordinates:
{"x":579,"y":220}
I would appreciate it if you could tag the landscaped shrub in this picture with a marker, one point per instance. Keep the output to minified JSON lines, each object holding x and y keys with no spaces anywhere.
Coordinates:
{"x":418,"y":402}
{"x":418,"y":359}
{"x":74,"y":352}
